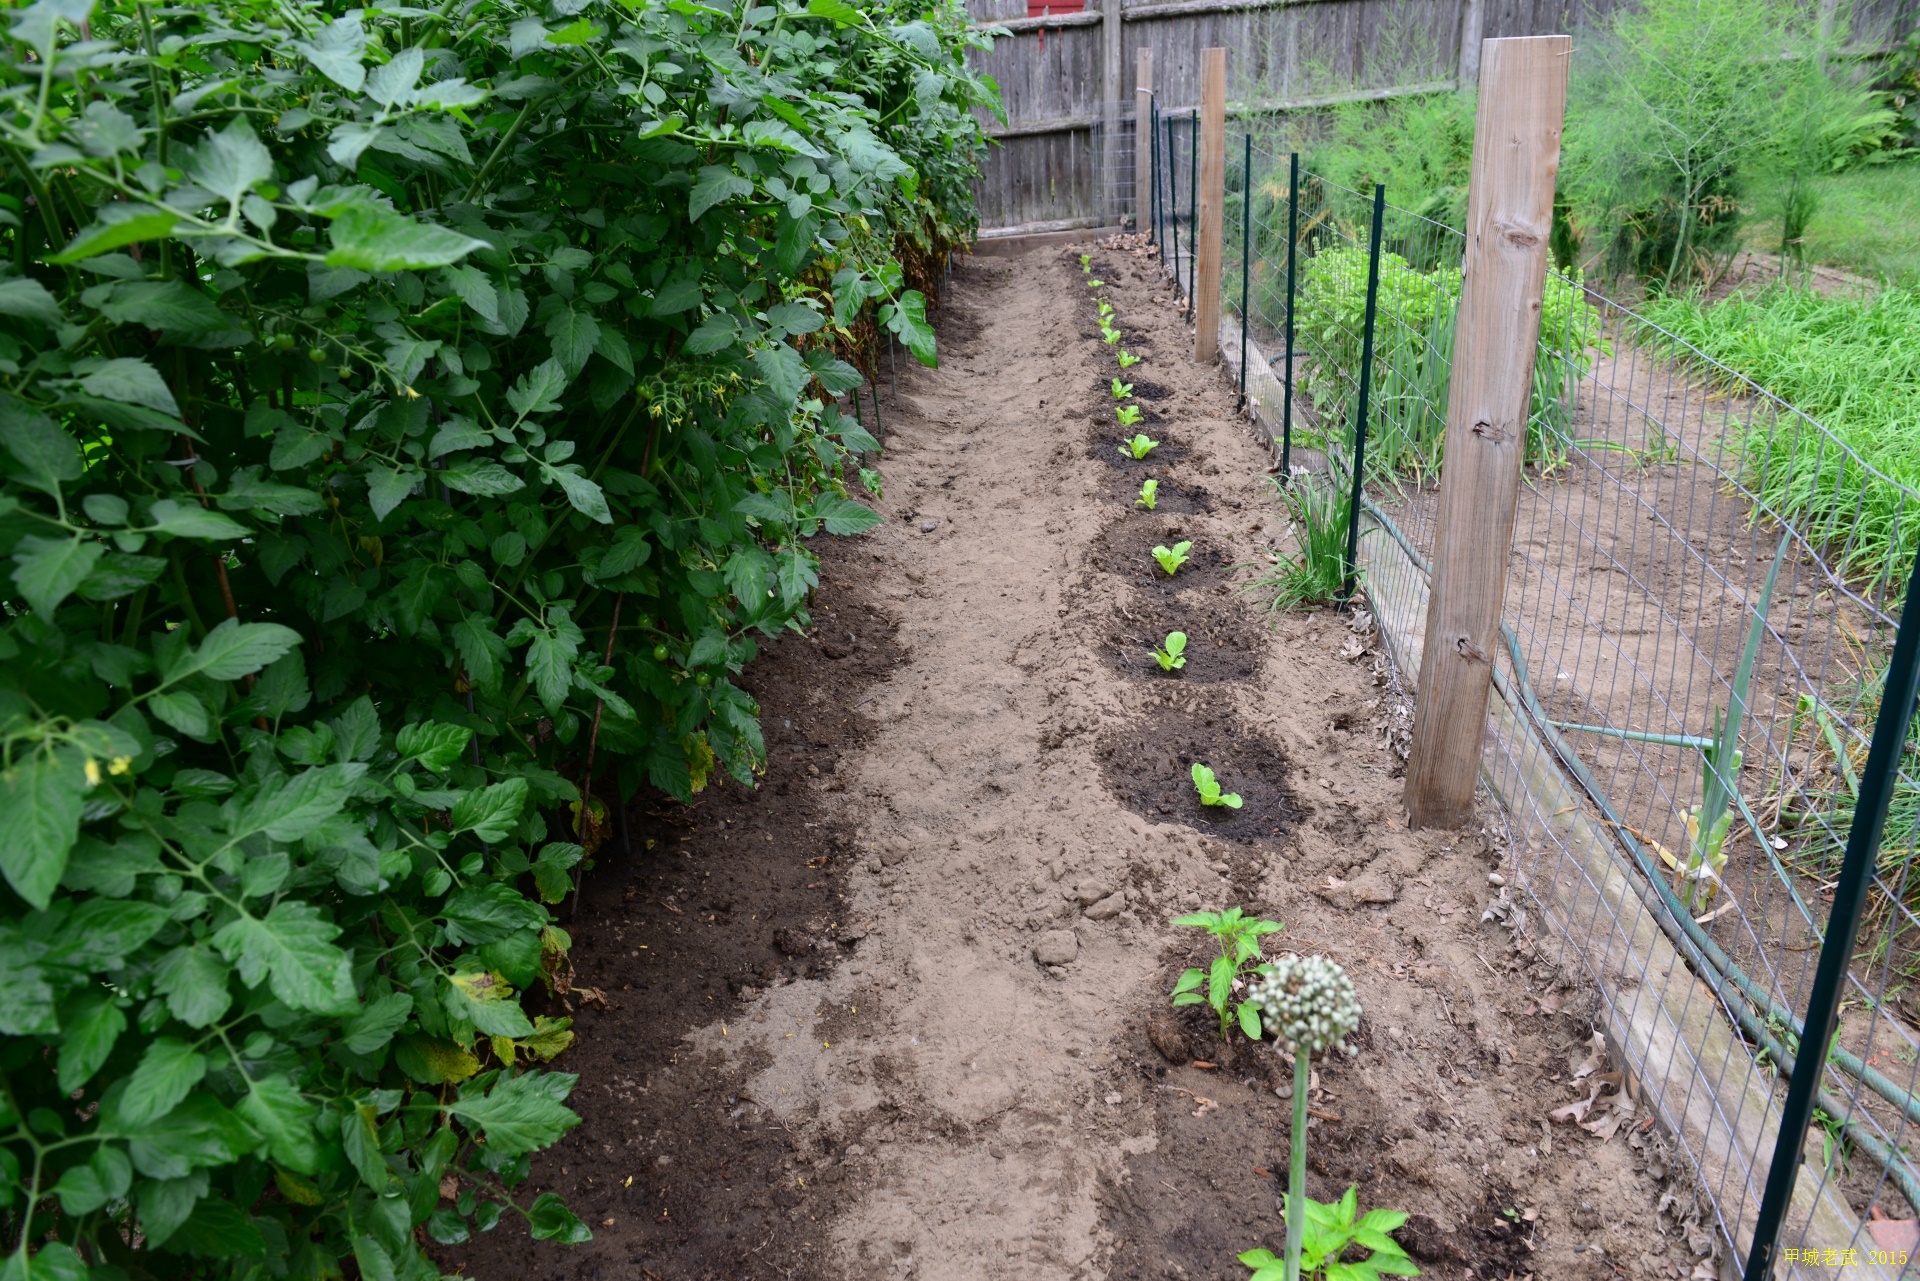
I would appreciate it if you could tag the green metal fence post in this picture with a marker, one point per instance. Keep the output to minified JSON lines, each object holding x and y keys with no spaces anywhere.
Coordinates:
{"x":1246,"y":246}
{"x":1366,"y":379}
{"x":1153,"y":171}
{"x":1193,"y":212}
{"x":1293,"y":246}
{"x":1173,"y":203}
{"x":1877,"y":782}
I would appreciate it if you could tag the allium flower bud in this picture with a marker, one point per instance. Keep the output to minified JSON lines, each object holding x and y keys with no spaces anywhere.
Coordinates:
{"x":1306,"y":1003}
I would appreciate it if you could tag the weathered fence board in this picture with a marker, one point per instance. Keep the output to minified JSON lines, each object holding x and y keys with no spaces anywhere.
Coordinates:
{"x":1052,"y":161}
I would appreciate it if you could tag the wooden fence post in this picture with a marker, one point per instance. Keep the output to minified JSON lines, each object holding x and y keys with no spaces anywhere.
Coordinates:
{"x":1142,"y":137}
{"x":1516,"y":154}
{"x":1213,"y":200}
{"x":1470,"y":27}
{"x":1112,"y":77}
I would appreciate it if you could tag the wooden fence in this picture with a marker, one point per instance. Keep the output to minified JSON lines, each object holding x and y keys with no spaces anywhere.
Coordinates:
{"x":1064,"y":158}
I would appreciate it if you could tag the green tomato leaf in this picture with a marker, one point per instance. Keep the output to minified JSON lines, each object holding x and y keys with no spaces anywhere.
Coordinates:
{"x":434,"y":745}
{"x":48,"y":455}
{"x":48,"y":570}
{"x":377,"y":1023}
{"x":301,"y":804}
{"x":522,"y":1114}
{"x":119,"y":225}
{"x":190,"y":520}
{"x":167,"y":1072}
{"x":283,"y":1120}
{"x":843,"y":515}
{"x":42,"y":795}
{"x":714,"y":185}
{"x":88,"y":1036}
{"x":488,"y":910}
{"x":293,"y":948}
{"x":368,"y":237}
{"x":194,"y":981}
{"x":549,"y":1219}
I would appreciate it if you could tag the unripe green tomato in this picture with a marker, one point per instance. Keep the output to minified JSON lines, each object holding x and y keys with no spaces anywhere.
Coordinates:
{"x":318,"y":355}
{"x":659,"y":653}
{"x":703,"y":680}
{"x":283,"y":342}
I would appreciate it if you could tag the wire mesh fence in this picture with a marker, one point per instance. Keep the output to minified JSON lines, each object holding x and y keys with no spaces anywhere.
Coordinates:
{"x":1688,"y":681}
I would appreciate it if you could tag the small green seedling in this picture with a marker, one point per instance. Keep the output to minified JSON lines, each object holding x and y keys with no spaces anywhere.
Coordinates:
{"x":1086,"y":263}
{"x":1239,"y":937}
{"x":1139,"y":447}
{"x":1171,"y":658}
{"x":1106,"y":310}
{"x":1126,"y":361}
{"x":1149,"y":494}
{"x":1209,"y":788}
{"x":1331,"y":1230}
{"x":1172,"y":560}
{"x":1108,"y":334}
{"x":1121,"y":390}
{"x":1096,"y":284}
{"x":1128,"y":415}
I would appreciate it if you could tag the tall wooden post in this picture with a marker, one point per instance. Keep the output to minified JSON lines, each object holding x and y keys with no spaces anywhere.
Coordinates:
{"x":1142,"y":137}
{"x":1213,"y":200}
{"x":1112,"y":78}
{"x":1516,"y":154}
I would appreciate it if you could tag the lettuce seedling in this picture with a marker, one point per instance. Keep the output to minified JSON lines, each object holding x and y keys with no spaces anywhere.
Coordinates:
{"x":1126,"y":361}
{"x":1171,"y":561}
{"x":1096,"y":284}
{"x":1106,"y":310}
{"x":1209,"y":787}
{"x":1086,"y":263}
{"x":1171,"y":658}
{"x":1149,"y":494}
{"x":1121,"y":390}
{"x":1108,"y":334}
{"x":1139,"y":447}
{"x":1128,"y":415}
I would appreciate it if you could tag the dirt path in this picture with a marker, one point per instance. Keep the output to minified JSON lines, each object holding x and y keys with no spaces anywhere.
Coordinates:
{"x":935,"y":943}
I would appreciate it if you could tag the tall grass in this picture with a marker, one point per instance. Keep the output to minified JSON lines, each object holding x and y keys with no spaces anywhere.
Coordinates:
{"x":1866,"y":220}
{"x":1850,"y":364}
{"x":1318,"y":510}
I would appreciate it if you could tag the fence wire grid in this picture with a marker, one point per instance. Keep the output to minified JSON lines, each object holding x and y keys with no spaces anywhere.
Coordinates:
{"x":1691,"y":886}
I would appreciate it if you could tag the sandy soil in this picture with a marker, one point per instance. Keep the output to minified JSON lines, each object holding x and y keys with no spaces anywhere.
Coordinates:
{"x":948,"y":1052}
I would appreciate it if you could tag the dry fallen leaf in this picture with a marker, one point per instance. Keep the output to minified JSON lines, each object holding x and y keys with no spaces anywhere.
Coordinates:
{"x":1605,"y":1109}
{"x":1596,"y":1057}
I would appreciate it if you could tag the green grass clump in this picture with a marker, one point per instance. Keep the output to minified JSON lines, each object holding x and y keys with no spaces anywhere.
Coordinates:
{"x":1318,"y":509}
{"x":1853,"y":365}
{"x":1866,"y":220}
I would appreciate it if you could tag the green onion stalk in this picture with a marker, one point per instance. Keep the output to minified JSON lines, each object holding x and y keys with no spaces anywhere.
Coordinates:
{"x":1308,"y":1005}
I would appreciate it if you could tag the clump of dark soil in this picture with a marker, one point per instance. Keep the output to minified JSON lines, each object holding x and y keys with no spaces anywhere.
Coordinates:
{"x":1125,"y":550}
{"x":1174,"y":497}
{"x":1103,"y":442}
{"x":1148,"y":765}
{"x":732,"y":893}
{"x":1223,"y":642}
